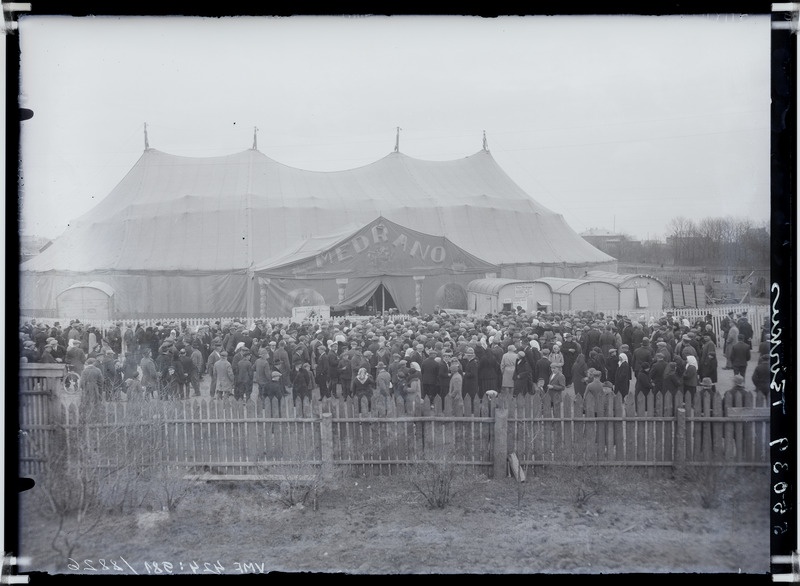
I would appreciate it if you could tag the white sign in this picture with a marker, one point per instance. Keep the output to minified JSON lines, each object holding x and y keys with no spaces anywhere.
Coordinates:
{"x":523,"y":290}
{"x":306,"y":312}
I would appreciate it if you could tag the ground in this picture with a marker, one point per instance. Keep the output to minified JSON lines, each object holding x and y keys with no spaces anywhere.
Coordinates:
{"x":637,"y":521}
{"x":633,"y":521}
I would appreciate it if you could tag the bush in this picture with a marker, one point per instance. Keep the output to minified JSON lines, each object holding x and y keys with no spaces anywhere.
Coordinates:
{"x":441,"y":479}
{"x":299,"y":478}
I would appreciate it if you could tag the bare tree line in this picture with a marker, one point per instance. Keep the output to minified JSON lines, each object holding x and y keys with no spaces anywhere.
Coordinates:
{"x":708,"y":242}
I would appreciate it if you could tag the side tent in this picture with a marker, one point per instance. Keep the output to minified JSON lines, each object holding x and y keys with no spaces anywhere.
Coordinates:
{"x":416,"y":270}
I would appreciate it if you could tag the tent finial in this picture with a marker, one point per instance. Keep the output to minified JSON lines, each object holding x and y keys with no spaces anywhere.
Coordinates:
{"x":146,"y":142}
{"x":485,"y":144}
{"x":397,"y":141}
{"x":255,"y":138}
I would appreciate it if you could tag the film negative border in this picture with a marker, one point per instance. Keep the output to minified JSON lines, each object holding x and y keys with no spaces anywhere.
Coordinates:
{"x":783,"y":425}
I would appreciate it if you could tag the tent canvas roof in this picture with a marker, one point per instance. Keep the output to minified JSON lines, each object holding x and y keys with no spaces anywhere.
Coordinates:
{"x":228,"y":213}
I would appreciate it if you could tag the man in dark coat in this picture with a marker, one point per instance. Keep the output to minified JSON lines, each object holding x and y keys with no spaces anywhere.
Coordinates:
{"x":740,"y":356}
{"x":191,"y":378}
{"x":641,"y":355}
{"x":570,"y":349}
{"x":542,"y":369}
{"x":762,"y":376}
{"x":430,"y":376}
{"x":469,"y":365}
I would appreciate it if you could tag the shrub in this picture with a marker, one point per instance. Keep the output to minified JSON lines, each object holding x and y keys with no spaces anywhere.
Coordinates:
{"x":441,"y":479}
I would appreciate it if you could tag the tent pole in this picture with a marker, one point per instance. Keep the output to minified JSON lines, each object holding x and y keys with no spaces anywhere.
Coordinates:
{"x":383,"y":299}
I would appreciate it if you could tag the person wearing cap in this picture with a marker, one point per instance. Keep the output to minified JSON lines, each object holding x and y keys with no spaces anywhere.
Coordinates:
{"x":469,"y":369}
{"x":731,"y":338}
{"x":190,"y":380}
{"x":443,"y":360}
{"x":430,"y":376}
{"x":739,"y":356}
{"x":383,"y":381}
{"x":91,"y":381}
{"x":642,"y":354}
{"x":657,"y":373}
{"x":644,"y":384}
{"x":570,"y":349}
{"x":224,"y":376}
{"x":541,"y":369}
{"x":595,"y":386}
{"x":706,"y":386}
{"x":301,"y":380}
{"x":762,"y":376}
{"x":555,"y":385}
{"x":273,"y":389}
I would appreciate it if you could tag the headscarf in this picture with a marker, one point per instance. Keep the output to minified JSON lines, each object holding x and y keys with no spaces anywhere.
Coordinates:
{"x":623,"y":357}
{"x":690,"y":359}
{"x":362,"y":375}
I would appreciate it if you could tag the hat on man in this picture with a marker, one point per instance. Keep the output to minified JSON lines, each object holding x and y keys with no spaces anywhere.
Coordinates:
{"x":380,"y":365}
{"x":706,"y":382}
{"x":276,"y":375}
{"x":593,"y":372}
{"x":738,"y":380}
{"x":469,"y":351}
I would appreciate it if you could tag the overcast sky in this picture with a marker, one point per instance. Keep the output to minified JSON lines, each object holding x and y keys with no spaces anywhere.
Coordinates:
{"x":615,"y":122}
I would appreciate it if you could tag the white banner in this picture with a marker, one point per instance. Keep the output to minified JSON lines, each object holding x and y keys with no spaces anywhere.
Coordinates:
{"x":307,"y":312}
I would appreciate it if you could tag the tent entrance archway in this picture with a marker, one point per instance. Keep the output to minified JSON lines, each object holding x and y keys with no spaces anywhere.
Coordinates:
{"x":380,"y":301}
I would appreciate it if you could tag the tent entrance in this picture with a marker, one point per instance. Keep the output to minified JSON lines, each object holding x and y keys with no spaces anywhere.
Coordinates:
{"x":380,"y":302}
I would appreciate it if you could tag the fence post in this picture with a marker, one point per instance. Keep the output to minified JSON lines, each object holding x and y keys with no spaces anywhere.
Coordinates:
{"x":326,"y":447}
{"x":680,"y":440}
{"x":500,"y":444}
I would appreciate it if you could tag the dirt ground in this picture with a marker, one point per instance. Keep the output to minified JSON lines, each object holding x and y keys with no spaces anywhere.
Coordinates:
{"x":637,"y":521}
{"x":633,"y":521}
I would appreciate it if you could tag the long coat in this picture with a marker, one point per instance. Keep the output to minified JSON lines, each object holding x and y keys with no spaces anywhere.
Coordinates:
{"x":224,"y":376}
{"x":622,"y":378}
{"x":507,"y":366}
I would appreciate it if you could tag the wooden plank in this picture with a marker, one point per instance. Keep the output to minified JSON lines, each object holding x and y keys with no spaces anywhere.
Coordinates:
{"x":641,"y":437}
{"x":696,"y":428}
{"x":538,"y":427}
{"x":718,"y":446}
{"x":729,"y":442}
{"x":547,"y":436}
{"x":590,"y":435}
{"x":650,"y":428}
{"x":658,"y":428}
{"x":669,"y":426}
{"x":579,"y":449}
{"x":747,"y":412}
{"x":707,"y":437}
{"x":629,"y":407}
{"x":738,"y":427}
{"x":565,"y":450}
{"x":749,"y":429}
{"x":619,"y":428}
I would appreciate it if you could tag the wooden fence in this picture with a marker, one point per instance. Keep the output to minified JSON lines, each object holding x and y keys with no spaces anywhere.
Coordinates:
{"x":230,"y":437}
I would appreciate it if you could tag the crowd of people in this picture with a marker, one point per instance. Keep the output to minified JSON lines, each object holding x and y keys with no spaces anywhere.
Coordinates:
{"x":403,"y":356}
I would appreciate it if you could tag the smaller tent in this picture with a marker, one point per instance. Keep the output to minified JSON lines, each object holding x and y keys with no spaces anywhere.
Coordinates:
{"x":582,"y":294}
{"x":493,"y":295}
{"x":415,"y":270}
{"x":636,"y":291}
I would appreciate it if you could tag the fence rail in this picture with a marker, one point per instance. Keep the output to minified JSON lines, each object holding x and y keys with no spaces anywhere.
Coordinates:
{"x":230,"y":437}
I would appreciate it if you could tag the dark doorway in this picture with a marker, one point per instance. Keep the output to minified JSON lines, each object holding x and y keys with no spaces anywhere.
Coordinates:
{"x":380,"y":302}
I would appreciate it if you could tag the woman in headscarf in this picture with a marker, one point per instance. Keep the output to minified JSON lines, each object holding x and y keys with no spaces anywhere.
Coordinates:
{"x":690,"y":375}
{"x":414,"y":383}
{"x":579,"y":370}
{"x":363,"y":386}
{"x":556,"y":357}
{"x":622,"y":378}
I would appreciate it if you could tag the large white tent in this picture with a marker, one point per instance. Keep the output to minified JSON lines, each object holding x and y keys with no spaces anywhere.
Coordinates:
{"x":189,"y":236}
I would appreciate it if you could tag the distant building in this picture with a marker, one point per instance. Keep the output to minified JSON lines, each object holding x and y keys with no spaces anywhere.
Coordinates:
{"x":612,"y":243}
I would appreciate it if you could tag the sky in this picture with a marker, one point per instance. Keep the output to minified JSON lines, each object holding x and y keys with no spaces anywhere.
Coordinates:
{"x":616,"y":122}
